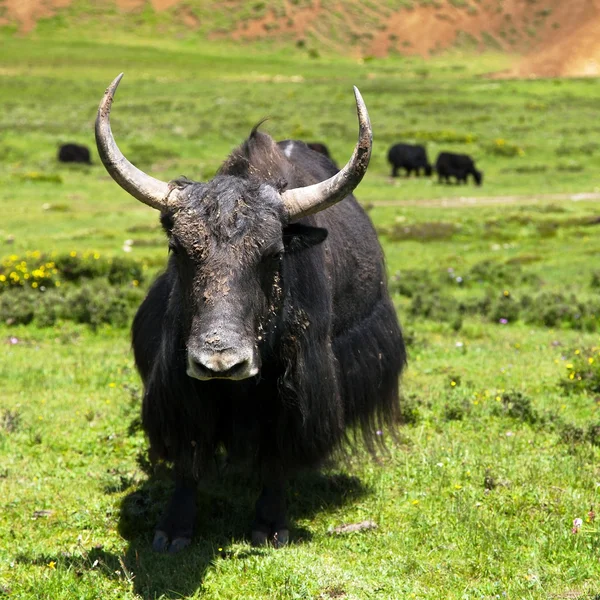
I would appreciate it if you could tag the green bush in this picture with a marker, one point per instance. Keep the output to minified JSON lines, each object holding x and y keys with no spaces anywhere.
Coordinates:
{"x":40,"y":271}
{"x":93,"y":303}
{"x":503,"y":309}
{"x":435,"y":306}
{"x":552,"y":309}
{"x":583,"y":372}
{"x":501,"y":147}
{"x":412,"y":281}
{"x":17,"y":309}
{"x":422,"y":232}
{"x":446,"y":136}
{"x":516,"y":405}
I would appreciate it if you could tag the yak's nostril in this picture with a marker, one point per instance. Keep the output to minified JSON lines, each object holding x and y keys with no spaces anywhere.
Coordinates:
{"x":219,"y":362}
{"x":221,"y":365}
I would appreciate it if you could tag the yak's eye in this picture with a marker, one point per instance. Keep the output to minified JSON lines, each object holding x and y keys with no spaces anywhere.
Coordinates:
{"x":272,"y":256}
{"x":173,"y":247}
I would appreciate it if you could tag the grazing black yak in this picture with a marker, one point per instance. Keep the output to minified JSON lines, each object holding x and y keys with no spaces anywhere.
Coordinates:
{"x":271,"y":330}
{"x":409,"y":157}
{"x":459,"y":166}
{"x":74,"y":153}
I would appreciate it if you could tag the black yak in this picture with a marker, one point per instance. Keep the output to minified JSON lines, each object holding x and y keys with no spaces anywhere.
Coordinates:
{"x":459,"y":166}
{"x":271,"y":332}
{"x":74,"y":153}
{"x":410,"y":157}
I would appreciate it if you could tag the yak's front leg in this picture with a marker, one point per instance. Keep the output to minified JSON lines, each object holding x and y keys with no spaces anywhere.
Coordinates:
{"x":270,"y":521}
{"x":176,"y":527}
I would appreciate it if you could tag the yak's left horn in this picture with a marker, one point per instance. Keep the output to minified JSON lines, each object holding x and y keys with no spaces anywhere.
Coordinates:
{"x":148,"y":190}
{"x":300,"y":202}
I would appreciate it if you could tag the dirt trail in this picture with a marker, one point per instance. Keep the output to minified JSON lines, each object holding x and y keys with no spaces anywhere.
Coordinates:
{"x":469,"y":202}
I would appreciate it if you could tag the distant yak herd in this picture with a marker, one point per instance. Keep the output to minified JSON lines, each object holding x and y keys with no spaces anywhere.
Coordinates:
{"x":412,"y":158}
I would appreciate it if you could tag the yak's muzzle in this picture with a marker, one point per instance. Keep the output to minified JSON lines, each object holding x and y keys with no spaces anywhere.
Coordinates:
{"x":227,"y":364}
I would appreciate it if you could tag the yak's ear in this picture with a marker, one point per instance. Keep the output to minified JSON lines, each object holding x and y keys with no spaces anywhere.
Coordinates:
{"x":298,"y":237}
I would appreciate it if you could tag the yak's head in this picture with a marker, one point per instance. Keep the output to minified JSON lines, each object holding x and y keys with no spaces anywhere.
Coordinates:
{"x":227,"y":239}
{"x":478,"y":176}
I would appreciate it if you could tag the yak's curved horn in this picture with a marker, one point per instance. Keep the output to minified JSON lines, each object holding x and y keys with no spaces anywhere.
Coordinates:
{"x":148,"y":190}
{"x":300,"y":202}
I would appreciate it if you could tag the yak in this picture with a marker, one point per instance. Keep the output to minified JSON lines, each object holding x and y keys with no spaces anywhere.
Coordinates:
{"x":271,"y":333}
{"x":74,"y":153}
{"x":412,"y":157}
{"x":459,"y":166}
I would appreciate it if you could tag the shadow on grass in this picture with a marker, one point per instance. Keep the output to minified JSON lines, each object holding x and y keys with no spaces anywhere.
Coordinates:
{"x":225,"y":511}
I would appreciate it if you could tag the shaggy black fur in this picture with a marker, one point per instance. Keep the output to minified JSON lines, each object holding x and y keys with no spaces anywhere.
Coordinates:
{"x":460,"y":166}
{"x":309,"y":297}
{"x":75,"y":153}
{"x":411,"y":157}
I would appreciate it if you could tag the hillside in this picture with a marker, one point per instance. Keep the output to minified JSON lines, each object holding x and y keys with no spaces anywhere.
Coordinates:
{"x":551,"y":37}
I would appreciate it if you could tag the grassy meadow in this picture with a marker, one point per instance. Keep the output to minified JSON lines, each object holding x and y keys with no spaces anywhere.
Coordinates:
{"x":497,"y":288}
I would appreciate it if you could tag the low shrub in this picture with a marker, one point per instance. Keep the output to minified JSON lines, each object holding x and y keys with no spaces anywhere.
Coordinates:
{"x":516,"y":405}
{"x":84,"y":287}
{"x":414,"y":281}
{"x":422,"y":232}
{"x":552,"y":309}
{"x":93,"y":303}
{"x":501,"y":147}
{"x":40,"y":271}
{"x":583,"y":372}
{"x":409,"y":410}
{"x":503,"y":309}
{"x":547,"y":309}
{"x":445,"y":136}
{"x":435,"y":306}
{"x":572,"y":434}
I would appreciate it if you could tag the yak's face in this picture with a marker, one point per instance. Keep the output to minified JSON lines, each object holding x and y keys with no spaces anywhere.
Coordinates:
{"x":228,"y":239}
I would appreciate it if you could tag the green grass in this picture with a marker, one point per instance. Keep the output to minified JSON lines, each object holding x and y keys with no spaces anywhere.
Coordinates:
{"x":477,"y":499}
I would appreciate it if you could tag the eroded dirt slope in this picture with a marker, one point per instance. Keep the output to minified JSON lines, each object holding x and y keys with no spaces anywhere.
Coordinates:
{"x":552,"y":37}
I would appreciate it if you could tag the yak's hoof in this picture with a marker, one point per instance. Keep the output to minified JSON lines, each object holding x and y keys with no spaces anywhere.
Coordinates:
{"x":279,"y":538}
{"x":259,"y":538}
{"x":160,"y":542}
{"x":178,"y":544}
